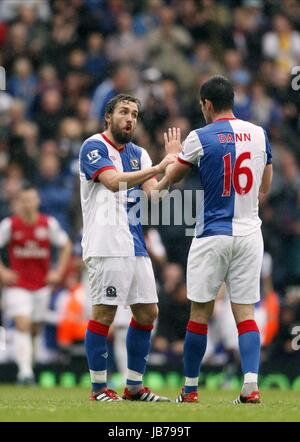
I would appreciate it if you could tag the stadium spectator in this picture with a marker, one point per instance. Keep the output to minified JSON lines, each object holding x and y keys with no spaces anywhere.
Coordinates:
{"x":49,"y":114}
{"x":48,"y":79}
{"x":70,"y":141}
{"x":55,"y":190}
{"x":23,"y":84}
{"x":37,"y":30}
{"x":147,"y":18}
{"x":96,"y":64}
{"x":120,"y":80}
{"x":83,"y":113}
{"x":125,"y":46}
{"x":263,"y":110}
{"x":12,"y":182}
{"x":15,"y":44}
{"x":204,"y":60}
{"x":9,"y":10}
{"x":169,"y":46}
{"x":283,"y":43}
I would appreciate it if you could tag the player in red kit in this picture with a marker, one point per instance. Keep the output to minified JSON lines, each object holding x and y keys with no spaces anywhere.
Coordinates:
{"x":29,"y":237}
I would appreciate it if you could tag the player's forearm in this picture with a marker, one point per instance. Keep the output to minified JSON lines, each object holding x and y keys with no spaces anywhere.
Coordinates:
{"x":265,"y":187}
{"x":156,"y":193}
{"x":266,"y":179}
{"x":162,"y":184}
{"x":63,"y":258}
{"x":132,"y":179}
{"x":2,"y":268}
{"x":173,"y":175}
{"x":7,"y":276}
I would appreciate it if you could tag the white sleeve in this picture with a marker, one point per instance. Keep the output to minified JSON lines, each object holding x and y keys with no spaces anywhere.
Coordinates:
{"x":145,"y":160}
{"x":5,"y":232}
{"x":57,"y":235}
{"x":192,"y":149}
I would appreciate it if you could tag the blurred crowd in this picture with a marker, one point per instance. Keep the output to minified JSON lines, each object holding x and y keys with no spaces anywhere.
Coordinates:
{"x":64,"y":61}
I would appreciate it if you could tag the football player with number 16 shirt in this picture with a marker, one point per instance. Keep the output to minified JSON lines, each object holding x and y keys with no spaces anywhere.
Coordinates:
{"x":233,"y":158}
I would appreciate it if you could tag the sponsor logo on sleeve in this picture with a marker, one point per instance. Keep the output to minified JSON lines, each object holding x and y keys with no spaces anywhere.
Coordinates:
{"x":93,"y":156}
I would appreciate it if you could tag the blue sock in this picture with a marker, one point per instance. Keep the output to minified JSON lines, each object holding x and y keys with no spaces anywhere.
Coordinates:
{"x":96,"y":351}
{"x":249,"y":343}
{"x":138,"y":346}
{"x":194,"y":350}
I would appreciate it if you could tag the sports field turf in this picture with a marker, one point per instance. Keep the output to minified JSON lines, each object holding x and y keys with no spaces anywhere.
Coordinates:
{"x":62,"y":404}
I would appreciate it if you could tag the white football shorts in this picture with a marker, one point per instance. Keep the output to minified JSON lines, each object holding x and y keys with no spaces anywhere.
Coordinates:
{"x":121,"y":280}
{"x":33,"y":304}
{"x":235,"y":260}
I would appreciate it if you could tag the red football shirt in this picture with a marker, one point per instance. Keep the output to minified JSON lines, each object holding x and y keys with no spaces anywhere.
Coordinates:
{"x":29,"y":248}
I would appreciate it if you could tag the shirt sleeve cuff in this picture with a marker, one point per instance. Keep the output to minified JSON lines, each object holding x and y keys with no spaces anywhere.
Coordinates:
{"x":99,"y":171}
{"x":186,"y":163}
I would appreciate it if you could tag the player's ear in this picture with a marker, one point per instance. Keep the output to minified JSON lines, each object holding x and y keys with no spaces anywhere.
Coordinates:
{"x":107,"y":118}
{"x":209,"y":105}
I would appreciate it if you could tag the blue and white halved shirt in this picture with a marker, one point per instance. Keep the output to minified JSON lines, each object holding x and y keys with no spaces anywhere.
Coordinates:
{"x":107,"y":227}
{"x":231,"y":156}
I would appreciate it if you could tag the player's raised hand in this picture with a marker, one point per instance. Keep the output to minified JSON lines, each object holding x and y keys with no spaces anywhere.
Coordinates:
{"x":173,"y":140}
{"x":169,"y":159}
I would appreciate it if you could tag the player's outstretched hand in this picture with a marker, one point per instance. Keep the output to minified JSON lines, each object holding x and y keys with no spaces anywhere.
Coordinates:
{"x":173,"y":140}
{"x":169,"y":159}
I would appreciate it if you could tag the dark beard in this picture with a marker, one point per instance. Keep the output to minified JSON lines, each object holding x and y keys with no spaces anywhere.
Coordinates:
{"x":119,"y":137}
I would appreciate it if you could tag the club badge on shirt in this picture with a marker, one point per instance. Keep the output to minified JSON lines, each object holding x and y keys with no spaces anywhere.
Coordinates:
{"x":111,"y":292}
{"x":135,"y":164}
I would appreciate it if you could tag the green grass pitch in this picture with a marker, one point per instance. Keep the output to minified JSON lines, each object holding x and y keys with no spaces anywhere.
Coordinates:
{"x":62,"y":404}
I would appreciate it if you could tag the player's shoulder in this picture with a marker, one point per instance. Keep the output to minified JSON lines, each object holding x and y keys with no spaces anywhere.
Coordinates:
{"x":94,"y":142}
{"x":7,"y":221}
{"x":247,"y":125}
{"x":13,"y":219}
{"x":44,"y":219}
{"x":193,"y":136}
{"x":208,"y":127}
{"x":200,"y":132}
{"x":13,"y":222}
{"x":52,"y":223}
{"x":257,"y":132}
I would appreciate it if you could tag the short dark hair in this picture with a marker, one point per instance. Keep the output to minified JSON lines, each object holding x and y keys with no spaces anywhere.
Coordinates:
{"x":219,"y":91}
{"x":111,"y":105}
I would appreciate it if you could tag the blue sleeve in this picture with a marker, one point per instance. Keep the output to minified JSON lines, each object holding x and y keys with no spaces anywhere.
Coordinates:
{"x":268,"y":149}
{"x":94,"y":159}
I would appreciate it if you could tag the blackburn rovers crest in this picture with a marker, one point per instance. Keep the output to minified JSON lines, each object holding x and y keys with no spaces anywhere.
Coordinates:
{"x":135,"y":164}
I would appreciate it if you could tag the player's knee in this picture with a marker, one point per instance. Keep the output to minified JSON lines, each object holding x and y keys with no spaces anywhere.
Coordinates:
{"x":104,"y":317}
{"x":147,"y":316}
{"x":242,"y":313}
{"x":23,"y":325}
{"x":36,"y":329}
